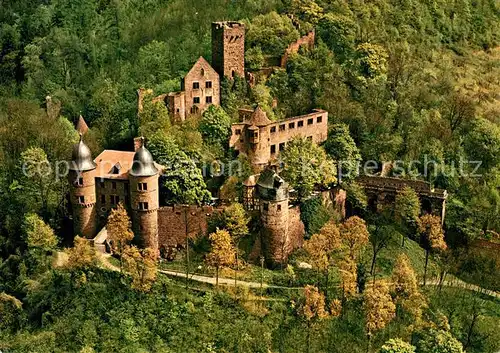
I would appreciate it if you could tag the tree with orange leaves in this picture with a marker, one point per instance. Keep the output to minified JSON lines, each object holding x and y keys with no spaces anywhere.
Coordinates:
{"x":354,"y":235}
{"x":431,"y":237}
{"x":312,"y":309}
{"x":379,"y":308}
{"x":119,"y":230}
{"x":406,"y":292}
{"x":322,"y":247}
{"x":222,"y":252}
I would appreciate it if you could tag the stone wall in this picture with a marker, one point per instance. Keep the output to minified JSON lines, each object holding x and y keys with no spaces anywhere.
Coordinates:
{"x":145,"y":219}
{"x":282,"y":231}
{"x":274,"y":137}
{"x":172,"y":224}
{"x":307,"y":40}
{"x":202,"y":84}
{"x":83,"y":202}
{"x":228,"y":48}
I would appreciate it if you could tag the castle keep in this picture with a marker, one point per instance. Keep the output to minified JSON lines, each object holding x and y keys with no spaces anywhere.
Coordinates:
{"x":200,"y":88}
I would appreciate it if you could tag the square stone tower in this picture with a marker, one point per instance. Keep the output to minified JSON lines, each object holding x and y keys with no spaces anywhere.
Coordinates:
{"x":228,"y":48}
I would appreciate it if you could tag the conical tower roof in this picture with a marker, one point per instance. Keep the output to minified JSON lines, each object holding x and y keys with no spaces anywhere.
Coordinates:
{"x":81,"y":126}
{"x":143,"y":164}
{"x":259,"y":118}
{"x":81,"y":157}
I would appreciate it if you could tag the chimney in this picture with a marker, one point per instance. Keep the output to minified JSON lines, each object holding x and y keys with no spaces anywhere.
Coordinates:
{"x":138,"y":143}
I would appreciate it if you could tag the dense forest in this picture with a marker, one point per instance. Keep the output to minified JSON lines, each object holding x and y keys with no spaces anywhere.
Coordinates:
{"x":414,"y":83}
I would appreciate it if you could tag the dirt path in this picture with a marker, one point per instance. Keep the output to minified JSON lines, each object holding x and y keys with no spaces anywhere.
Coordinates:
{"x":453,"y":283}
{"x":457,"y":283}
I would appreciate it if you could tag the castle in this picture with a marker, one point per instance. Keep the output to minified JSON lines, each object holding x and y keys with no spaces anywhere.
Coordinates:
{"x":132,"y":178}
{"x":200,"y":88}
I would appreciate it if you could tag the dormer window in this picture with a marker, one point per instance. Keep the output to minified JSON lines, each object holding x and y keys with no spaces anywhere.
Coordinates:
{"x":116,"y":169}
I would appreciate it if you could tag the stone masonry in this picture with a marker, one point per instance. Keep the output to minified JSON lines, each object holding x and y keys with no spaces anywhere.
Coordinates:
{"x":262,"y":139}
{"x":228,"y":48}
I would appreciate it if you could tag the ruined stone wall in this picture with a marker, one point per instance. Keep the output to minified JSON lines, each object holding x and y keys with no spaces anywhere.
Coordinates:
{"x":228,"y":48}
{"x":307,"y":40}
{"x":274,"y":137}
{"x":176,"y":104}
{"x":84,"y":213}
{"x":172,"y":224}
{"x":201,"y":84}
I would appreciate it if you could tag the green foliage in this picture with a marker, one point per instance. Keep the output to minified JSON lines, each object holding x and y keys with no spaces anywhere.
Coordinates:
{"x":407,"y":207}
{"x":439,"y":341}
{"x":397,"y":346}
{"x":314,"y":215}
{"x":356,"y":196}
{"x":215,"y":126}
{"x":483,"y":144}
{"x":254,"y":58}
{"x":306,"y":166}
{"x":341,"y":147}
{"x":38,"y":234}
{"x":181,"y":180}
{"x":271,"y":32}
{"x":338,"y":31}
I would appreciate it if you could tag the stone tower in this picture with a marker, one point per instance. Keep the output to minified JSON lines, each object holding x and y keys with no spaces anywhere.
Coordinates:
{"x":82,"y":190}
{"x":272,"y":192}
{"x":144,"y":198}
{"x":228,"y":49}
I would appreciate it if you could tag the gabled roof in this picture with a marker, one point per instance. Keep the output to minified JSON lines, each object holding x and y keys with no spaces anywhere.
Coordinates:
{"x":258,"y":118}
{"x":109,"y":159}
{"x":202,"y":63}
{"x":81,"y":126}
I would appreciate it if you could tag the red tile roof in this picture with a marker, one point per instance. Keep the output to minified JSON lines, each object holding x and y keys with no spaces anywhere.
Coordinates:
{"x":108,"y":159}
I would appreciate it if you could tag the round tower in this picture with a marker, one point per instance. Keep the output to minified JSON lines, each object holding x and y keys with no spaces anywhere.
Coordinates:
{"x":272,"y":192}
{"x":82,"y":190}
{"x":144,"y":198}
{"x":258,"y":139}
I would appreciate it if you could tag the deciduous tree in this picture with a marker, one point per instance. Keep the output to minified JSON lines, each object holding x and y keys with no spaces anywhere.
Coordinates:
{"x":119,"y":230}
{"x":431,"y":237}
{"x":354,"y":235}
{"x":306,"y":166}
{"x":141,"y":266}
{"x":397,"y":346}
{"x":312,"y":309}
{"x":407,"y":210}
{"x":379,"y":308}
{"x":222,"y":251}
{"x":82,"y":254}
{"x":215,"y":126}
